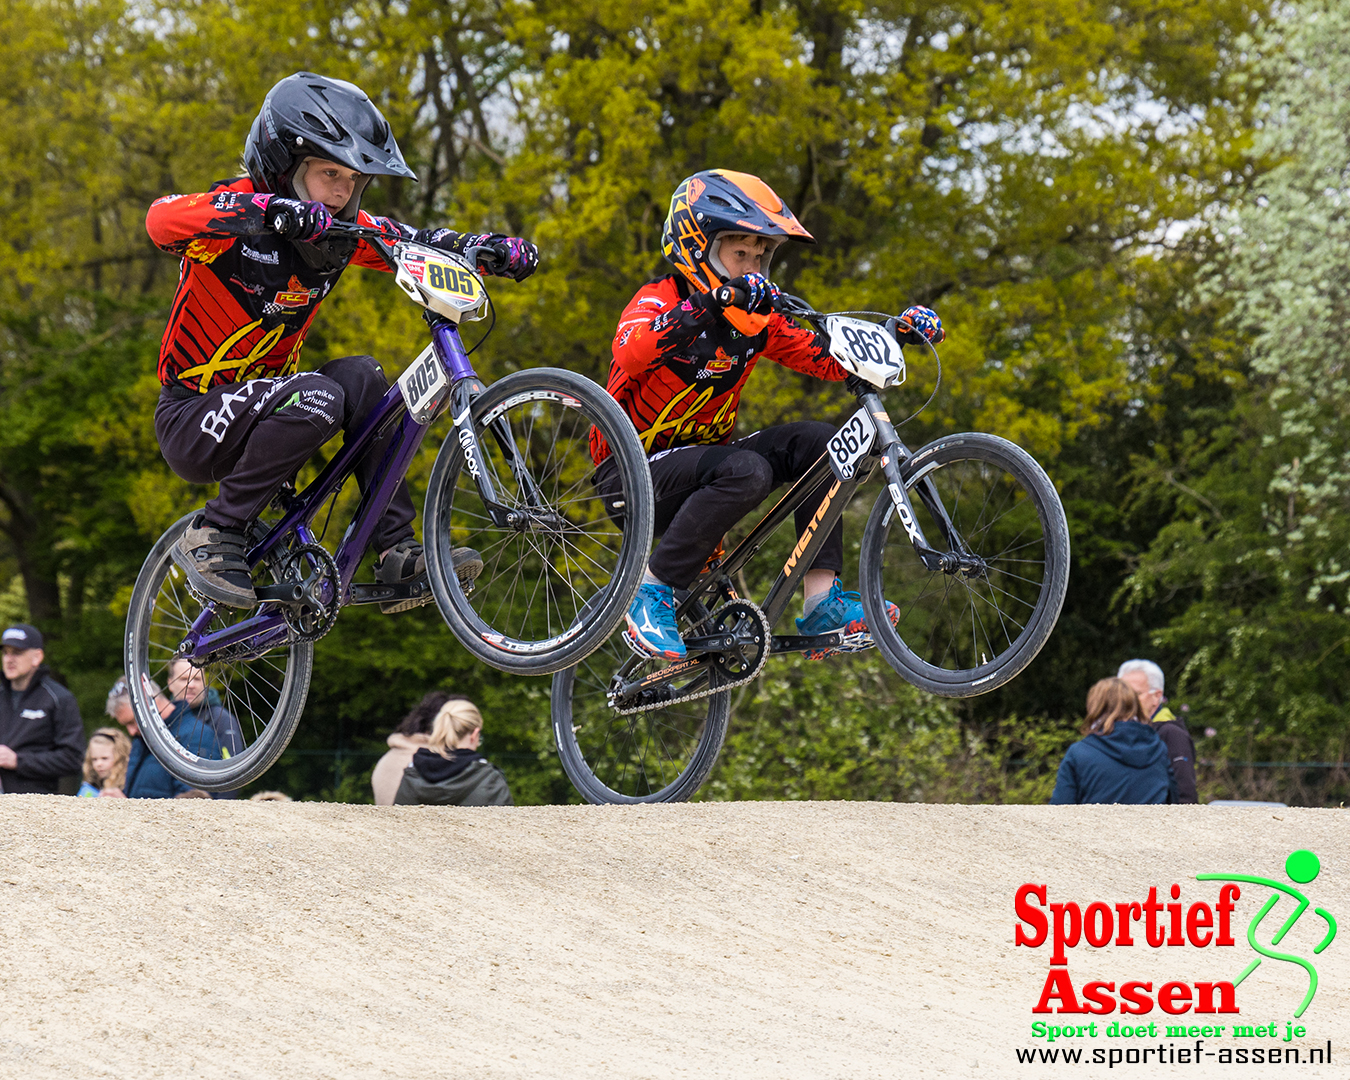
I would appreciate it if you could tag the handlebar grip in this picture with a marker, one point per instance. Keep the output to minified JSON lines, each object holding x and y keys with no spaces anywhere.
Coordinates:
{"x":730,"y":296}
{"x":485,"y":256}
{"x":282,"y":223}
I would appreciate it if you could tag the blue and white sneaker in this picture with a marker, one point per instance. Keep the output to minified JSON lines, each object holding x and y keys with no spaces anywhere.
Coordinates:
{"x":841,"y":611}
{"x":651,"y":623}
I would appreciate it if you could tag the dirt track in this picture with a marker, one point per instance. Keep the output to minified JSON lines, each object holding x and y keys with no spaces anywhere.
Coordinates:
{"x":177,"y":939}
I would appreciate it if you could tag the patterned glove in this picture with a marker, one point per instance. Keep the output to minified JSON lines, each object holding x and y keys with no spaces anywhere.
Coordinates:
{"x":761,"y":293}
{"x":919,"y":325}
{"x":510,"y":255}
{"x":296,"y":219}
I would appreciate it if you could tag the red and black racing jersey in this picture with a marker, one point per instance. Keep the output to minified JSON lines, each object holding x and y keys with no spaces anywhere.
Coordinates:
{"x":687,"y":395}
{"x":246,"y":296}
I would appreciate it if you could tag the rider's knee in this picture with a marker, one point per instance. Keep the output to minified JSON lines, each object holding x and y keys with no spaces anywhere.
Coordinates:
{"x":750,"y":474}
{"x":817,"y":434}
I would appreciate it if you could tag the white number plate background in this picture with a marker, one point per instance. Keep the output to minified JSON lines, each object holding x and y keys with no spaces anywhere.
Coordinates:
{"x":423,"y":385}
{"x":851,"y":444}
{"x":865,"y":349}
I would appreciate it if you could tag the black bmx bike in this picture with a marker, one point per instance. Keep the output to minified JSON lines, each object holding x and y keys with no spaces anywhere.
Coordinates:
{"x":967,"y":538}
{"x":512,"y":481}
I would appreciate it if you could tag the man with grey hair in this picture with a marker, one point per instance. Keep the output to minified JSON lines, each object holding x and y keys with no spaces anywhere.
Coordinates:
{"x":1145,"y":678}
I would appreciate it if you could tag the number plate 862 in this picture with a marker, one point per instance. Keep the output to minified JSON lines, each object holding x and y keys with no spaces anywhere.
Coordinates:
{"x":851,"y":444}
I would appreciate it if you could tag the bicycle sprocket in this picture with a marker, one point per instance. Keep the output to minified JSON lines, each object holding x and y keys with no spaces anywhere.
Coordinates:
{"x":315,"y":571}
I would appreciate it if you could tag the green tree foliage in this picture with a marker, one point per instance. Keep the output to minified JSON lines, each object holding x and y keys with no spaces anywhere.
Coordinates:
{"x":1256,"y":548}
{"x":1034,"y":171}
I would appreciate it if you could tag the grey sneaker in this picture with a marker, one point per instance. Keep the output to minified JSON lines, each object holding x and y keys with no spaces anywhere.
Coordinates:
{"x":406,"y":563}
{"x":213,"y":559}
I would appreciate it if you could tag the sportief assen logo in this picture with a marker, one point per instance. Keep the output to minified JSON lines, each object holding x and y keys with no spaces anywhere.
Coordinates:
{"x":1157,"y":924}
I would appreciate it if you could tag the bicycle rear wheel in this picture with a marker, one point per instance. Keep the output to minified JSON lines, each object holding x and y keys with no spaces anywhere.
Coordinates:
{"x":261,"y":691}
{"x":659,"y":755}
{"x":559,"y":577}
{"x":969,"y":632}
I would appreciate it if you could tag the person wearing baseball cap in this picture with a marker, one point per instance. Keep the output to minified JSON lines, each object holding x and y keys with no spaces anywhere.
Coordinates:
{"x":41,"y":733}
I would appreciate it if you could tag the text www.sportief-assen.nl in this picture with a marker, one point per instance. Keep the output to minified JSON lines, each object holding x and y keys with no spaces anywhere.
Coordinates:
{"x":1172,"y":1054}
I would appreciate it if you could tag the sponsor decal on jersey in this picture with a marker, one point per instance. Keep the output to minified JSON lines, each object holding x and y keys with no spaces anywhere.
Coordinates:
{"x":295,"y":295}
{"x":654,"y":301}
{"x":225,"y":200}
{"x":269,"y":257}
{"x":720,"y":362}
{"x":253,"y":288}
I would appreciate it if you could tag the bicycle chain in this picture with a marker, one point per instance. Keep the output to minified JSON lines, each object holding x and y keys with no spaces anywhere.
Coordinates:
{"x":708,"y":691}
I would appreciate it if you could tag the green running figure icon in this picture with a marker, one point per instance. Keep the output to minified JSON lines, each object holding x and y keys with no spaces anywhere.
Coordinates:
{"x":1302,"y":866}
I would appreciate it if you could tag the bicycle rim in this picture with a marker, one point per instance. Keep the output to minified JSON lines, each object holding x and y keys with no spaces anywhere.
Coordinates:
{"x":250,"y":700}
{"x":961,"y":634}
{"x":659,"y":755}
{"x":556,"y":580}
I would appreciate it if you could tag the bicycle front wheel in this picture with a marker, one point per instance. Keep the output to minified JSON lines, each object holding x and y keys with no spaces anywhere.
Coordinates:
{"x":250,"y":696}
{"x":972,"y":630}
{"x":656,"y":755}
{"x":559,"y":575}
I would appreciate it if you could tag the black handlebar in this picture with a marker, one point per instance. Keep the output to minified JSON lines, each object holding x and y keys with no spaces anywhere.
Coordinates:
{"x":480,"y":255}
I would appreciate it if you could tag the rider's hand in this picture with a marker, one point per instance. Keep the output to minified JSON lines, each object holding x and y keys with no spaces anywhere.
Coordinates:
{"x":918,"y":326}
{"x":754,"y":292}
{"x":297,"y":219}
{"x":506,"y":256}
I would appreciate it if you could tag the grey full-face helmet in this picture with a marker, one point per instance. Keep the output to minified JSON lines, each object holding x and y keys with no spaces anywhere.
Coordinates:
{"x":308,"y":116}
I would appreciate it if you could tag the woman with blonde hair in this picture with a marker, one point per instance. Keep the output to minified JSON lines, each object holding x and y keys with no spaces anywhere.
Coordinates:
{"x":105,"y":763}
{"x":1120,"y":758}
{"x":449,"y":770}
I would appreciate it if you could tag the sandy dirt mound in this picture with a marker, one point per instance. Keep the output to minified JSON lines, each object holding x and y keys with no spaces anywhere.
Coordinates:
{"x":179,"y":939}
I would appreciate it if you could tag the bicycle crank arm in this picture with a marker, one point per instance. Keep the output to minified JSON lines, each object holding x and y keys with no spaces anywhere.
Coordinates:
{"x":787,"y":643}
{"x":363,"y":593}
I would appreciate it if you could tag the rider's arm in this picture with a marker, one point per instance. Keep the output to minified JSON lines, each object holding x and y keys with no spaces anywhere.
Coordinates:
{"x":207,"y":222}
{"x":802,"y":350}
{"x":657,"y":322}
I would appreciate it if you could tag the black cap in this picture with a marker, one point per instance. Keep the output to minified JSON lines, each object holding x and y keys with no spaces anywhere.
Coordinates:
{"x":22,"y":636}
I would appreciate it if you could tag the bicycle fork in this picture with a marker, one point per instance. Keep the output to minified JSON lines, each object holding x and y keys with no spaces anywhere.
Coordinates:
{"x":894,"y":453}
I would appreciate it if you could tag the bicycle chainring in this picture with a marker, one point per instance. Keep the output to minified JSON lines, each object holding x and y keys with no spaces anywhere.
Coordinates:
{"x":729,"y":668}
{"x":314,"y":569}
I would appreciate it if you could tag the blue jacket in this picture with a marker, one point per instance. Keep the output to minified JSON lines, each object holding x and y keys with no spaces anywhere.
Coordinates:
{"x":147,"y":778}
{"x":1128,"y":766}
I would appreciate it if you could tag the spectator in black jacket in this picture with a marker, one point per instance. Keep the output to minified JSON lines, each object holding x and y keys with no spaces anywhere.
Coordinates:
{"x":1120,"y":759}
{"x":449,"y":770}
{"x":41,"y":734}
{"x":1145,"y":678}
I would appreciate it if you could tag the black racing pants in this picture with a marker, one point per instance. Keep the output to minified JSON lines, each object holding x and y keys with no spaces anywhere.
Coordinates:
{"x":253,"y":436}
{"x":702,"y":491}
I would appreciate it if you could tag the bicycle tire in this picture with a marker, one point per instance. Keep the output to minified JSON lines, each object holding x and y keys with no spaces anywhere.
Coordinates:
{"x":557,"y":563}
{"x":266,"y":709}
{"x":1013,"y":607}
{"x":613,"y":759}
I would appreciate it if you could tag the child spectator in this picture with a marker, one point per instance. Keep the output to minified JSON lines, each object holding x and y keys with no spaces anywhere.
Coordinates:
{"x":449,"y":770}
{"x":105,"y":763}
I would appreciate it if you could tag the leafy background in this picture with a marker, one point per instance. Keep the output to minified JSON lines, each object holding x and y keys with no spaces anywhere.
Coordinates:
{"x":1131,"y":215}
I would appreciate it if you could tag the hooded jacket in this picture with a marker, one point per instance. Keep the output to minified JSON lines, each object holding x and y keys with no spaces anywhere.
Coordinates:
{"x":466,"y":778}
{"x":388,"y":772}
{"x":1128,"y":766}
{"x":42,"y":726}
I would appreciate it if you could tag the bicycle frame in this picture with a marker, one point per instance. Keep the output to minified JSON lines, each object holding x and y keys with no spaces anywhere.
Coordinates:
{"x":888,"y":452}
{"x":264,"y":630}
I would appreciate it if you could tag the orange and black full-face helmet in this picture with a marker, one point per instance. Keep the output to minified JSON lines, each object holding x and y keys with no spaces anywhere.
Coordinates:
{"x":719,"y":201}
